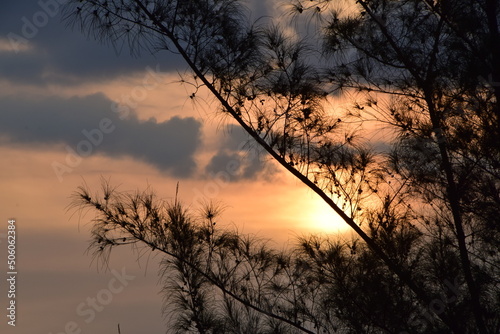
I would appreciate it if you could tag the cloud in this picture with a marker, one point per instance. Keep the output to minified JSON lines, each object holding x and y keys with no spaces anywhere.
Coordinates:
{"x":88,"y":125}
{"x":237,"y":156}
{"x":48,"y":51}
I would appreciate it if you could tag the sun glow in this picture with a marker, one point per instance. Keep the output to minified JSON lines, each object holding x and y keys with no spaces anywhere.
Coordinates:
{"x":323,"y":219}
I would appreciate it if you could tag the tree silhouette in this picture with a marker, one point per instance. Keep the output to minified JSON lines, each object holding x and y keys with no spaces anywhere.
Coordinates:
{"x":425,"y":201}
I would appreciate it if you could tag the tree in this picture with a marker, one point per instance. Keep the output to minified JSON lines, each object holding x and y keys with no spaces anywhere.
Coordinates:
{"x":425,"y":204}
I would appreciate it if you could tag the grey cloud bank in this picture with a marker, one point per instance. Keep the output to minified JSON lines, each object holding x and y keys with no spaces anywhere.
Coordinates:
{"x":50,"y":51}
{"x":87,"y":126}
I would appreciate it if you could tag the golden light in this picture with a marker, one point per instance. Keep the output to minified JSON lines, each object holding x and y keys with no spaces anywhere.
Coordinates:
{"x":323,"y":219}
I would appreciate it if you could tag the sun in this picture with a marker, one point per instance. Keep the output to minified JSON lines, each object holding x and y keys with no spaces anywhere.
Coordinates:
{"x":323,"y":219}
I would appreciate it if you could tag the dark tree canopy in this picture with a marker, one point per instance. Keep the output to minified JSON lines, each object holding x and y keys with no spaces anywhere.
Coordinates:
{"x":424,"y":200}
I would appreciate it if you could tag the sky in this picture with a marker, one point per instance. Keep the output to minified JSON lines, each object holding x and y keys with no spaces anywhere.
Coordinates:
{"x":73,"y":112}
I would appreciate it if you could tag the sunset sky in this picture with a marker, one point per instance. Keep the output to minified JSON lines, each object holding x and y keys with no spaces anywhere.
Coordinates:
{"x":73,"y":111}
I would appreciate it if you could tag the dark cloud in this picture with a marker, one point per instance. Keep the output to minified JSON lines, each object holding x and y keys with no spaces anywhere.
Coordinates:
{"x":237,"y":156}
{"x":61,"y":54}
{"x":88,"y":125}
